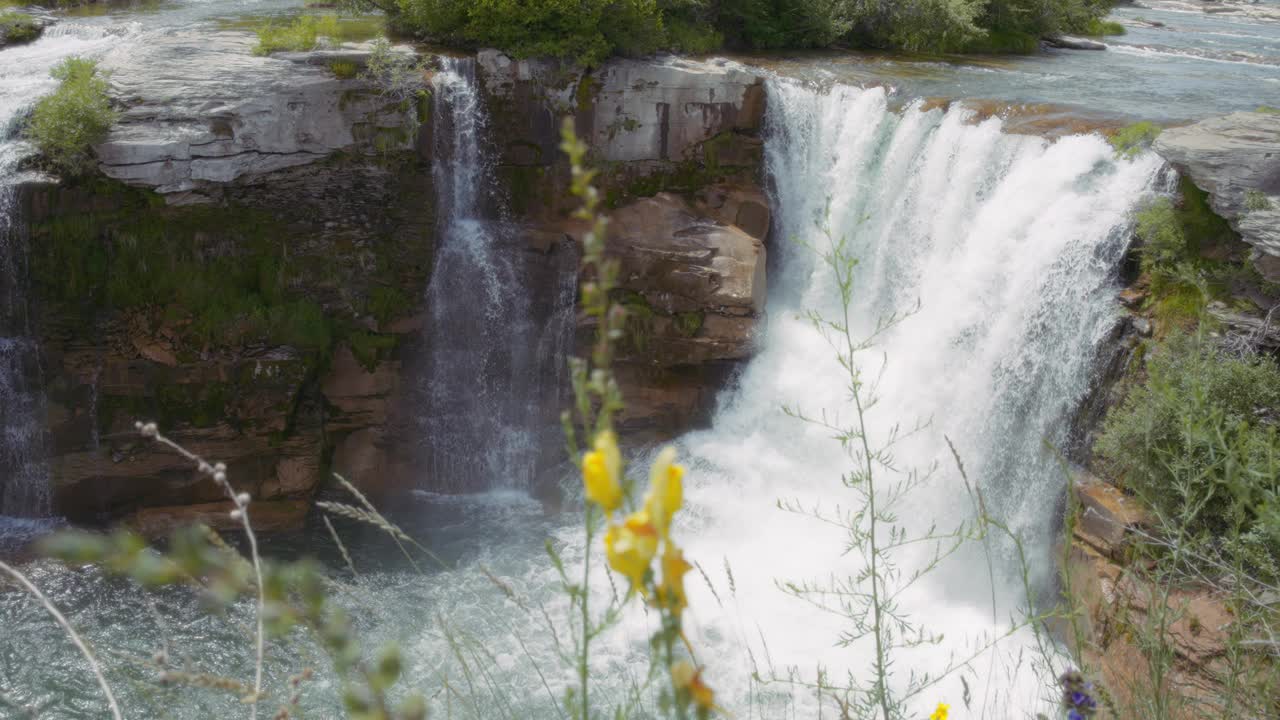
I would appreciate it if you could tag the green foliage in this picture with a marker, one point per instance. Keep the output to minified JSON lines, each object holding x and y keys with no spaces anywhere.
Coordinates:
{"x":370,"y":348}
{"x":303,"y":34}
{"x":65,"y":124}
{"x":343,"y":69}
{"x":399,"y":76}
{"x":1133,"y":139}
{"x":1097,"y":28}
{"x":142,"y":257}
{"x":559,"y":28}
{"x":389,"y":303}
{"x":999,"y":42}
{"x":1176,"y":241}
{"x":18,"y":27}
{"x":590,"y":30}
{"x":1267,"y":110}
{"x":1199,"y":439}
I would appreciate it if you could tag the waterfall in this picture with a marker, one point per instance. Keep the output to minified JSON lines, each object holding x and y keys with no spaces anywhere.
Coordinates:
{"x":493,"y":348}
{"x":24,"y":77}
{"x":24,"y":487}
{"x":1010,"y":246}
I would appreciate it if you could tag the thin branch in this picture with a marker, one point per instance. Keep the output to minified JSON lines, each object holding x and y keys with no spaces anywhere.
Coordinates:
{"x":71,"y":633}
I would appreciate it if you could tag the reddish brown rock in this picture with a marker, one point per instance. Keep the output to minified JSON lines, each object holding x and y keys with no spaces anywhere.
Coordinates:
{"x":266,"y":517}
{"x":1107,"y":515}
{"x":683,"y":261}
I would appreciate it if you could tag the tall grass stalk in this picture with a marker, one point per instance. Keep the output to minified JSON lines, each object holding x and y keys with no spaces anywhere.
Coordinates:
{"x":879,"y":483}
{"x":71,"y":633}
{"x":218,"y":471}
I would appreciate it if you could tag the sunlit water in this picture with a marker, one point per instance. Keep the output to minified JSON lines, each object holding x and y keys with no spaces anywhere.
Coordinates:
{"x":1194,"y":66}
{"x":1008,"y":243}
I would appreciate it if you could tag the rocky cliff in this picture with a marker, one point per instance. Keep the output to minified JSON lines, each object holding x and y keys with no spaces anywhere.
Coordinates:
{"x":678,"y":145}
{"x":249,"y":270}
{"x":1236,"y":159}
{"x":246,"y":273}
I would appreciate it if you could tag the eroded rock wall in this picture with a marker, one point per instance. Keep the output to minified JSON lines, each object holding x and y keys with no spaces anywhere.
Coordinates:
{"x":677,"y":144}
{"x":250,"y":272}
{"x":1236,"y":159}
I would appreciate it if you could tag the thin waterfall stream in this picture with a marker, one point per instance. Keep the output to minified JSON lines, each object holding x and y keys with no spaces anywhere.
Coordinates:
{"x":24,"y":471}
{"x":493,"y":354}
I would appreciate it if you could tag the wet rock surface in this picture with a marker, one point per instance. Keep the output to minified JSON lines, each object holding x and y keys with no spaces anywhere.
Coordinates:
{"x":1236,"y":159}
{"x":219,"y":114}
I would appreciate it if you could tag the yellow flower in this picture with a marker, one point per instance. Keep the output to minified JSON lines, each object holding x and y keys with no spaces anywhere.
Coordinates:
{"x":666,"y":490}
{"x":940,"y":713}
{"x":684,"y":676}
{"x":602,"y":472}
{"x":674,"y":567}
{"x":630,"y":547}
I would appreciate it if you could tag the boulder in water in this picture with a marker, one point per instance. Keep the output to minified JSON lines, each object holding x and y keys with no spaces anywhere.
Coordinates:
{"x":1070,"y":42}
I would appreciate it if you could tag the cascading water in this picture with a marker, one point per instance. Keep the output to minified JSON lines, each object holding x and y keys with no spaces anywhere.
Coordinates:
{"x":24,"y":77}
{"x":24,"y":488}
{"x":491,"y":350}
{"x":1010,"y":246}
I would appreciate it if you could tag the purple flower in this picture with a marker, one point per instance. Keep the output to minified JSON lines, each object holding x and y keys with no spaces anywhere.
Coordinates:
{"x":1073,"y":715}
{"x":1082,"y":700}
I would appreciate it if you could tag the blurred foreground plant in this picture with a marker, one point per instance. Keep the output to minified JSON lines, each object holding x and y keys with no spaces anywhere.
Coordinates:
{"x":287,"y":596}
{"x":637,"y":543}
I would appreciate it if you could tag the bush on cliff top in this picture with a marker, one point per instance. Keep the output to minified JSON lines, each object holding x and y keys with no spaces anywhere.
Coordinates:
{"x":591,"y":30}
{"x":65,"y":124}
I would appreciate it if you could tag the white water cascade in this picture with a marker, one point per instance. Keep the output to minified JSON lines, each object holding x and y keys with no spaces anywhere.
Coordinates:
{"x":24,"y":78}
{"x":1010,"y":245}
{"x":493,"y":353}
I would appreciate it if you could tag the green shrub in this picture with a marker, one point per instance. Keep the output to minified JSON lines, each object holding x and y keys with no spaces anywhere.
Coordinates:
{"x":691,"y":37}
{"x":999,"y":42}
{"x":1199,"y":441}
{"x":65,"y":124}
{"x":343,"y":69}
{"x":1176,"y":239}
{"x":590,"y":30}
{"x":557,"y":28}
{"x":303,"y":34}
{"x":1096,"y":27}
{"x":17,"y":27}
{"x":1133,"y":139}
{"x":1255,"y":200}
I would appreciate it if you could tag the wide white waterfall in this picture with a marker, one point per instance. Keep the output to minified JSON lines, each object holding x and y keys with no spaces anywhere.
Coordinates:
{"x":1010,"y":246}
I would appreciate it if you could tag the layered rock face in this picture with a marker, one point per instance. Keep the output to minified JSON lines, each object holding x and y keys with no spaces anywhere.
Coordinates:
{"x":250,"y":274}
{"x":1113,"y":599}
{"x":1236,"y":159}
{"x":220,"y":115}
{"x":251,"y":279}
{"x":679,"y":153}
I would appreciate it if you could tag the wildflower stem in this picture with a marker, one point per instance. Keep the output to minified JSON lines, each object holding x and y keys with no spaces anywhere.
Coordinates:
{"x":241,"y":501}
{"x":845,"y":280}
